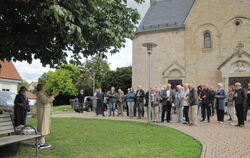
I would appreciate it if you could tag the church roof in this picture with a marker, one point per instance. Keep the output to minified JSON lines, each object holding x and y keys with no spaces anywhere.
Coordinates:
{"x":165,"y":14}
{"x":8,"y":70}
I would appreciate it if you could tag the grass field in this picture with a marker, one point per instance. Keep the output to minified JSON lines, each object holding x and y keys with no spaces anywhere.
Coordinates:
{"x":58,"y":109}
{"x":93,"y":138}
{"x":63,"y":108}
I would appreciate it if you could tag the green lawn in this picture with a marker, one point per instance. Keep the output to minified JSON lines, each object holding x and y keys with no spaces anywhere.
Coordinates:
{"x":63,"y":108}
{"x":94,"y":138}
{"x":58,"y":109}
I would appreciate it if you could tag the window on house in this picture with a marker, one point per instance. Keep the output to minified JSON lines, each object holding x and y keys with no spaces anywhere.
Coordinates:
{"x":207,"y":40}
{"x":5,"y":89}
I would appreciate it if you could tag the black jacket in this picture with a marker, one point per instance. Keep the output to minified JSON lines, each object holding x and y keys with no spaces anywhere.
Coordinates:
{"x":212,"y":96}
{"x":206,"y":96}
{"x":141,"y":97}
{"x":240,"y":96}
{"x":80,"y":97}
{"x":248,"y":95}
{"x":193,"y":97}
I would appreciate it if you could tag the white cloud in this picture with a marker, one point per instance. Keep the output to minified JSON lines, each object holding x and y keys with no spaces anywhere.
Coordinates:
{"x":31,"y":72}
{"x":123,"y":58}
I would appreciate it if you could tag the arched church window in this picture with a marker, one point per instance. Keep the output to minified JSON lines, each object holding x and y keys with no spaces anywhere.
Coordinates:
{"x":207,"y":40}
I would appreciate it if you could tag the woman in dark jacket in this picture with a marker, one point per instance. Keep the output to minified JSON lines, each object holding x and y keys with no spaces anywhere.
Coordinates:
{"x":21,"y":107}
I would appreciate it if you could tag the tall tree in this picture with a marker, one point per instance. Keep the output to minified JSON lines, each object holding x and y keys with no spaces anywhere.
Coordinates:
{"x":97,"y":66}
{"x":48,"y":29}
{"x":121,"y":78}
{"x":67,"y":79}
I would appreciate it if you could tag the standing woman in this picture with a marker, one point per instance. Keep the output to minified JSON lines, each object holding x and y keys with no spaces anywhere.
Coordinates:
{"x":21,"y":107}
{"x":178,"y":105}
{"x":155,"y":105}
{"x":220,"y":96}
{"x":230,"y":103}
{"x":130,"y":97}
{"x":184,"y":103}
{"x":43,"y":114}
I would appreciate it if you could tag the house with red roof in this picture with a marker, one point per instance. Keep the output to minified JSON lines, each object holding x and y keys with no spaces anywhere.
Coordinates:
{"x":9,"y":76}
{"x":32,"y":86}
{"x":32,"y":98}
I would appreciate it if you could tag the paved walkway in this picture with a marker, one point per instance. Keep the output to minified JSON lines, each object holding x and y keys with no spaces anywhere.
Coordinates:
{"x":218,"y":140}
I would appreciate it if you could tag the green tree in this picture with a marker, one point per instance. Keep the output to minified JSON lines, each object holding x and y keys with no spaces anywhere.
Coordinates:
{"x":24,"y":83}
{"x":61,"y":80}
{"x":43,"y":78}
{"x":98,"y":66}
{"x":121,"y":78}
{"x":66,"y":79}
{"x":48,"y":29}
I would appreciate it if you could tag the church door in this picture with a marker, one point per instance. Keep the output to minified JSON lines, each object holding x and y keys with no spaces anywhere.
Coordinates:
{"x":243,"y":80}
{"x":174,"y":83}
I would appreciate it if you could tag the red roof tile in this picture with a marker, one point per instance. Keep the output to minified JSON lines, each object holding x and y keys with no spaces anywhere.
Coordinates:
{"x":9,"y":71}
{"x":33,"y":83}
{"x":30,"y":95}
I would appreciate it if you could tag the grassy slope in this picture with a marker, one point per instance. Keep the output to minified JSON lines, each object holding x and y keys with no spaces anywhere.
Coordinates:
{"x":92,"y":138}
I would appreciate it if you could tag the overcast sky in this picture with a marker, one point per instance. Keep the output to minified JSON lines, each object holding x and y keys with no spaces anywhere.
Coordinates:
{"x":31,"y":72}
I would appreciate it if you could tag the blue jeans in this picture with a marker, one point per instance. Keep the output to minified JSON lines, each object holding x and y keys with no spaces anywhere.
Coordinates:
{"x":112,"y":108}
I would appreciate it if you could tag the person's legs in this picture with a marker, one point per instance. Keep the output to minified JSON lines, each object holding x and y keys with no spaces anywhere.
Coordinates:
{"x":121,"y":109}
{"x":22,"y":116}
{"x":129,"y":108}
{"x":233,"y":113}
{"x":222,"y":115}
{"x":157,"y":119}
{"x":136,"y":108}
{"x":190,"y":114}
{"x":153,"y":113}
{"x":208,"y":109}
{"x":203,"y":112}
{"x":237,"y":113}
{"x":94,"y":105}
{"x":96,"y":110}
{"x":103,"y":108}
{"x":241,"y":114}
{"x":82,"y":108}
{"x":212,"y":106}
{"x":169,"y":106}
{"x":118,"y":109}
{"x":194,"y":109}
{"x":110,"y":108}
{"x":187,"y":116}
{"x":126,"y":104}
{"x":42,"y":140}
{"x":132,"y":108}
{"x":217,"y":112}
{"x":160,"y":111}
{"x":219,"y":115}
{"x":140,"y":110}
{"x":179,"y":114}
{"x":113,"y":108}
{"x":164,"y":108}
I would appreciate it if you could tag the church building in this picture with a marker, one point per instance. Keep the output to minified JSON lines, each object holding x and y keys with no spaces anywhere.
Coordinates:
{"x":198,"y":42}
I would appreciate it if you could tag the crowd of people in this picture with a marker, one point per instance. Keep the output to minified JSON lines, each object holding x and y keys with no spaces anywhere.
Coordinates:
{"x":186,"y":100}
